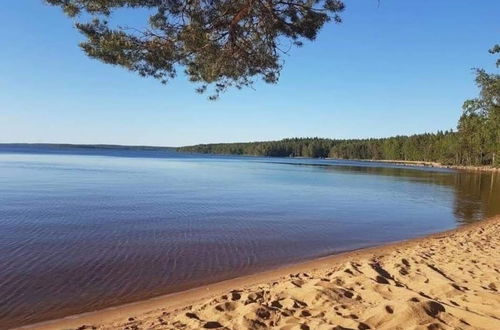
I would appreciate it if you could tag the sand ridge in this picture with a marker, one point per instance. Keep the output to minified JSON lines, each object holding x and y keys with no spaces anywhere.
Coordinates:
{"x":445,"y":281}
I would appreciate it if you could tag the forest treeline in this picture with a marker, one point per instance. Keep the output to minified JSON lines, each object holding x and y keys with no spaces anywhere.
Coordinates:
{"x":475,"y":142}
{"x":439,"y":147}
{"x":444,"y":147}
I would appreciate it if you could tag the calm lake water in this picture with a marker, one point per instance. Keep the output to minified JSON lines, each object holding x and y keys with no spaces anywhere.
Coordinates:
{"x":83,"y":229}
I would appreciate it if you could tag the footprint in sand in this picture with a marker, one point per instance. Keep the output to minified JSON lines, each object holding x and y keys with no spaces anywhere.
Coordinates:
{"x":226,"y":307}
{"x":212,"y":325}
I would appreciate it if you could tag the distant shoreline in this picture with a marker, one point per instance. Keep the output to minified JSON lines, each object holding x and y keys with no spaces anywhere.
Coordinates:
{"x":87,"y":146}
{"x":177,"y":149}
{"x":194,"y":307}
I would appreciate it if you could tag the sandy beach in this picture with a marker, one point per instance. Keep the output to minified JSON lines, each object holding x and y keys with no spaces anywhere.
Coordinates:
{"x":448,"y":280}
{"x":432,"y":164}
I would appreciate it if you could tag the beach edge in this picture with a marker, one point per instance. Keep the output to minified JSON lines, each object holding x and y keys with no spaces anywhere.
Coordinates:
{"x":178,"y":300}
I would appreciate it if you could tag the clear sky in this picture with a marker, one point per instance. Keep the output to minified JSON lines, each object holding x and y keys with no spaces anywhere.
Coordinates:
{"x":398,"y":67}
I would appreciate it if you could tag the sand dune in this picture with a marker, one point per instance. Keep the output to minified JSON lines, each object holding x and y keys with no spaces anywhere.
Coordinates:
{"x":445,"y":281}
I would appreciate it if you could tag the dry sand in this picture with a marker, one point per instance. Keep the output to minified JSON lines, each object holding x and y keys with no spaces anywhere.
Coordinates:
{"x":444,"y":281}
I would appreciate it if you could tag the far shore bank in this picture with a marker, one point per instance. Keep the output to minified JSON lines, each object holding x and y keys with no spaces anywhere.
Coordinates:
{"x":442,"y":281}
{"x":432,"y":164}
{"x":417,"y":163}
{"x":53,"y":146}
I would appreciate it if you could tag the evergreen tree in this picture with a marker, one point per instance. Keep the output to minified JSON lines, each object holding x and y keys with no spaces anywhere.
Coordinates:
{"x":219,"y":43}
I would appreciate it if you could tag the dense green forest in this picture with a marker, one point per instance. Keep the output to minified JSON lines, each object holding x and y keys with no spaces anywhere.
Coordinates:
{"x":440,"y":147}
{"x":475,"y":142}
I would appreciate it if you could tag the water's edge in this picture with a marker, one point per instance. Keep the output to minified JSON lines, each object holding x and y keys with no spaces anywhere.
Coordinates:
{"x":186,"y":297}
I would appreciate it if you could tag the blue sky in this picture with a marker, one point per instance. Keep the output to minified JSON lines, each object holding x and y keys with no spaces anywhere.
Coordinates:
{"x":401,"y":67}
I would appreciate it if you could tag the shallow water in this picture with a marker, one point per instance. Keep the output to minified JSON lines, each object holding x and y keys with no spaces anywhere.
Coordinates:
{"x":82,"y":229}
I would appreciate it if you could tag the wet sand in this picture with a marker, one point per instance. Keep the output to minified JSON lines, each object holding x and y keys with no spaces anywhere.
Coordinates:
{"x":447,"y":280}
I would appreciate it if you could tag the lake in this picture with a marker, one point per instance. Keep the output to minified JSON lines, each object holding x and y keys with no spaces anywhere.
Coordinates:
{"x":86,"y":228}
